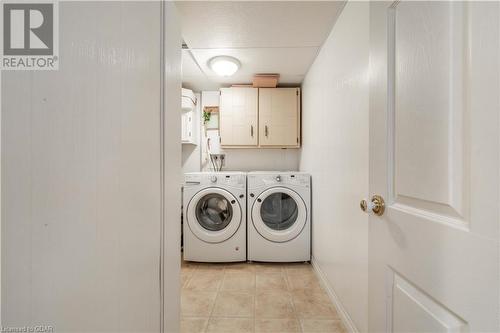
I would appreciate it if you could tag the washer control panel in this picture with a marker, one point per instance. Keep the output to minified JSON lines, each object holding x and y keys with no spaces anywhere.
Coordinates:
{"x":235,"y":179}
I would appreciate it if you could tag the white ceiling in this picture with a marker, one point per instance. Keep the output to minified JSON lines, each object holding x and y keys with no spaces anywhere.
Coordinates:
{"x":266,"y":36}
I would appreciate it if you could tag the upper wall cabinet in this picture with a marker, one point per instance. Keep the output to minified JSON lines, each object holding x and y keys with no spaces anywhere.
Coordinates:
{"x":260,"y":117}
{"x":238,"y":117}
{"x":279,"y":117}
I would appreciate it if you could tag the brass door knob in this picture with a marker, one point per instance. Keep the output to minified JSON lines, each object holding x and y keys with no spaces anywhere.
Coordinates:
{"x":376,"y":205}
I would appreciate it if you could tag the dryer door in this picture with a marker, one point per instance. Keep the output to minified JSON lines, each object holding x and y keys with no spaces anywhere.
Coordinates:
{"x":279,"y":214}
{"x":213,"y":215}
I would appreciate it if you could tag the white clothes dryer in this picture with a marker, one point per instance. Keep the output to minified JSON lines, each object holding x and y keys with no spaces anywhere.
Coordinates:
{"x":279,"y":216}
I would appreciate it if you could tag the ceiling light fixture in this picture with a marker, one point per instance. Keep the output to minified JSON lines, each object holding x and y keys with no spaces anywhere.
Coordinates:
{"x":224,"y":65}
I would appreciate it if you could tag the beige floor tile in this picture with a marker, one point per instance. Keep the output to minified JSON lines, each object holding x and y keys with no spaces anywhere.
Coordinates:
{"x":303,"y":282}
{"x":277,"y":326}
{"x":234,"y":304}
{"x":230,"y":325}
{"x":193,"y":325}
{"x":240,"y":267}
{"x":238,"y":281}
{"x":272,"y":268}
{"x":205,"y":281}
{"x":187,"y":270}
{"x":196,"y":303}
{"x":322,"y":326}
{"x":275,"y":305}
{"x":314,"y":295}
{"x":299,"y":268}
{"x":188,"y":267}
{"x":210,"y":267}
{"x":241,"y":297}
{"x":314,"y":309}
{"x":184,"y":279}
{"x":271,"y":282}
{"x":187,"y":264}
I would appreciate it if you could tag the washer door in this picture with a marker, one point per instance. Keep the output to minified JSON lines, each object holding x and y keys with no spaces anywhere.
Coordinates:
{"x":213,"y":215}
{"x":279,"y":214}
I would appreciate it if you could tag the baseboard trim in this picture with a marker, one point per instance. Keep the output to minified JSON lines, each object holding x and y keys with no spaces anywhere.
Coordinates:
{"x":344,"y":316}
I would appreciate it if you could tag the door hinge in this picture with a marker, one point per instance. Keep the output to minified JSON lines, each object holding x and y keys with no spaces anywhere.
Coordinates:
{"x":297,"y":92}
{"x":297,"y":140}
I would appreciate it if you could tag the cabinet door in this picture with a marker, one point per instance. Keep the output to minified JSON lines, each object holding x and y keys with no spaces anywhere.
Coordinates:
{"x":238,"y":116}
{"x":185,"y":127}
{"x":188,"y":128}
{"x":279,"y":117}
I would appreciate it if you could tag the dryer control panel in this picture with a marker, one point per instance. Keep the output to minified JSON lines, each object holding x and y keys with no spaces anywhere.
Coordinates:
{"x":275,"y":179}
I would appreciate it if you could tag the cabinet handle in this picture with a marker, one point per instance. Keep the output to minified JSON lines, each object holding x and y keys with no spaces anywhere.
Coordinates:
{"x":266,"y":131}
{"x":251,"y":130}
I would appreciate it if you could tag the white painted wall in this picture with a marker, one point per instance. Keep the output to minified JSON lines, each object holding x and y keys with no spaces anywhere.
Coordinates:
{"x":208,"y":98}
{"x":335,"y":152}
{"x":248,"y":159}
{"x":81,"y":177}
{"x":262,"y":159}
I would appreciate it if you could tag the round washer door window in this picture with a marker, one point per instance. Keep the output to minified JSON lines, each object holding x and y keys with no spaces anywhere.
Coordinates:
{"x":279,"y":214}
{"x":213,"y":215}
{"x":279,"y":211}
{"x":214,"y":212}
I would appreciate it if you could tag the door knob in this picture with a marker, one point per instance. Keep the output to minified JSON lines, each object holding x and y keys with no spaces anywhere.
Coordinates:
{"x":376,"y":205}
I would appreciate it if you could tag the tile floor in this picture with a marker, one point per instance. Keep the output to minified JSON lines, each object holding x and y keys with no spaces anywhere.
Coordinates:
{"x":255,"y":297}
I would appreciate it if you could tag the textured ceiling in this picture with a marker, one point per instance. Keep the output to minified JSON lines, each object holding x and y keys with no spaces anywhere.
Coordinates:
{"x":266,"y":36}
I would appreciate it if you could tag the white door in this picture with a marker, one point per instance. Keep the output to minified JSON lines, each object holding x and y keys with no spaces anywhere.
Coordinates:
{"x":238,"y":116}
{"x":434,"y":157}
{"x":279,"y":117}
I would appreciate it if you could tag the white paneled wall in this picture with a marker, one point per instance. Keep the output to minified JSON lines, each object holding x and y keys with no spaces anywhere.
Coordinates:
{"x":81,"y":176}
{"x":248,"y":159}
{"x":335,"y":152}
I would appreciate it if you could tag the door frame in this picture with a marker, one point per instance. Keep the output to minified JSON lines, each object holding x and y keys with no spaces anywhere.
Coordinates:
{"x":171,"y":170}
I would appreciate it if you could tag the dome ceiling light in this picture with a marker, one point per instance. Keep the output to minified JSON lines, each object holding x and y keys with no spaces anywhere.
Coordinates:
{"x":224,"y":65}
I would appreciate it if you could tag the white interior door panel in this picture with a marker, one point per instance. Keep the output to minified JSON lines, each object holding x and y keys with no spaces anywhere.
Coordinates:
{"x":434,"y":157}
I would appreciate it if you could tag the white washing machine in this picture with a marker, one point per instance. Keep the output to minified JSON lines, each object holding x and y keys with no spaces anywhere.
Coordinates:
{"x":279,"y":216}
{"x":214,"y":205}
